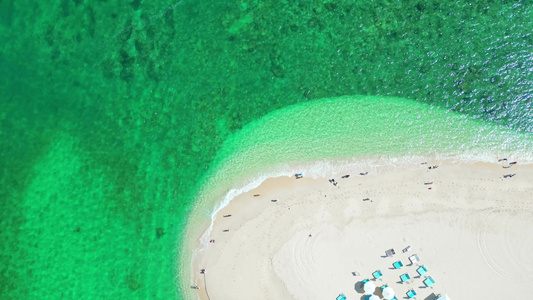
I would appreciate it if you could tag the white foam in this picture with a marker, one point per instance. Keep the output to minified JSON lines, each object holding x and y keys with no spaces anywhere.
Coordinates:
{"x":316,"y":169}
{"x":232,"y":194}
{"x":330,"y":168}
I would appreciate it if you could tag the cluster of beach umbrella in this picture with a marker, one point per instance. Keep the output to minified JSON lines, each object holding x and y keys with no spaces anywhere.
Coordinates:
{"x":387,"y":292}
{"x":369,"y":287}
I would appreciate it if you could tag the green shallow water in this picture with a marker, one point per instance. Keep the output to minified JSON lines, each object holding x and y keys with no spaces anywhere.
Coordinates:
{"x":111,"y":112}
{"x":356,"y":126}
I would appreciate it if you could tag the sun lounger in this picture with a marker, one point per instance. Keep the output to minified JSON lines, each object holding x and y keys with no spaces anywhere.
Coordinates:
{"x":429,"y":281}
{"x":405,"y":277}
{"x":414,"y":258}
{"x":411,"y":293}
{"x":377,"y":274}
{"x":341,"y":297}
{"x":422,"y":270}
{"x":397,"y":264}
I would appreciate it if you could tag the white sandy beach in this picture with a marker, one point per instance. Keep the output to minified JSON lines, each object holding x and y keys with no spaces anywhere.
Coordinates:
{"x":473,"y":230}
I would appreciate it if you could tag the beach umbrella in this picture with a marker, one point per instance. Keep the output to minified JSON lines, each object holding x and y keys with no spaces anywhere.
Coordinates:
{"x":373,"y":297}
{"x":388,"y":293}
{"x":369,"y":287}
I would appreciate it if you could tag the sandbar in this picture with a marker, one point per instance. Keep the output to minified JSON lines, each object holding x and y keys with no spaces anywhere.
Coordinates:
{"x":470,"y":226}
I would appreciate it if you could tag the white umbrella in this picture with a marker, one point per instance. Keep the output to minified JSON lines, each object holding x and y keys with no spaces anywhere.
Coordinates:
{"x":369,"y":287}
{"x":388,"y":293}
{"x":373,"y":297}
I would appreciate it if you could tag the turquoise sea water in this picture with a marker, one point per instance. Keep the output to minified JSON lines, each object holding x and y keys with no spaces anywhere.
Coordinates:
{"x":111,"y":112}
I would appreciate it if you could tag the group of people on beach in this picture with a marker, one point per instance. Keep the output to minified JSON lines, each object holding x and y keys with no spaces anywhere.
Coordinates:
{"x":332,"y":180}
{"x":430,"y":167}
{"x":202,"y":271}
{"x":509,"y":164}
{"x":335,"y":183}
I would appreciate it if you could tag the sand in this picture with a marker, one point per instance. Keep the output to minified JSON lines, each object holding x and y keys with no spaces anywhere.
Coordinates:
{"x":471,"y":228}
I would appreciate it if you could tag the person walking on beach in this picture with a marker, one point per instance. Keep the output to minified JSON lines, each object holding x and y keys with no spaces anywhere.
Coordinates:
{"x":510,"y":165}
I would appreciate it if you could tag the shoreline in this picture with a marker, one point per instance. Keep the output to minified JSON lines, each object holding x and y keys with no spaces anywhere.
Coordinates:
{"x":247,"y":205}
{"x":357,"y":130}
